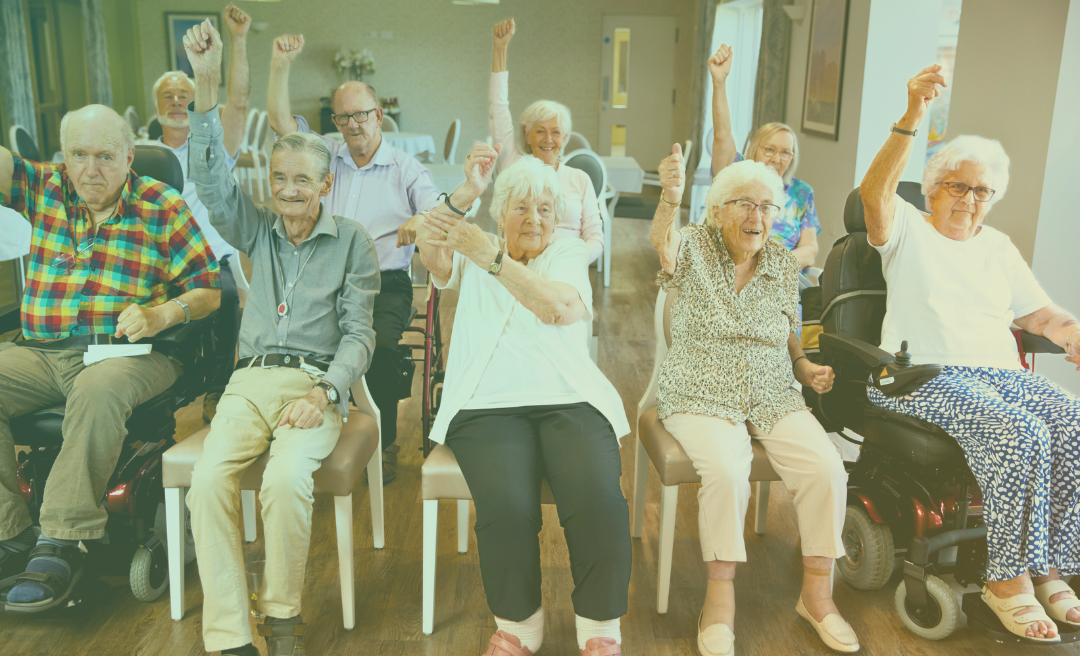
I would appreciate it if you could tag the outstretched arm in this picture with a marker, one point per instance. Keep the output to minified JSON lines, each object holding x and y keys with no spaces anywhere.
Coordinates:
{"x":501,"y":123}
{"x":664,"y":233}
{"x":234,"y":113}
{"x":878,"y":188}
{"x":504,"y":31}
{"x":723,"y":147}
{"x":286,"y":49}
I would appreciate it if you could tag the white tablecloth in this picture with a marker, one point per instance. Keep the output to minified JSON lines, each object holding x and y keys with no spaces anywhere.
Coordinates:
{"x":624,"y":174}
{"x":412,"y":143}
{"x":447,"y":177}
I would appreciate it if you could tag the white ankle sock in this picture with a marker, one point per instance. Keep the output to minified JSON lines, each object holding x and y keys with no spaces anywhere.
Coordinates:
{"x":587,"y":629}
{"x":530,"y":632}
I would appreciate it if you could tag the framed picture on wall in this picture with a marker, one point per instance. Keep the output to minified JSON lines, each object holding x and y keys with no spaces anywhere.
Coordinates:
{"x":825,"y":69}
{"x":176,"y":26}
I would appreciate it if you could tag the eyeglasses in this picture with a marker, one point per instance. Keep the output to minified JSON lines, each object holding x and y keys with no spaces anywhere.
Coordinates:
{"x":343,"y":119}
{"x":66,"y":262}
{"x":768,"y":210}
{"x":959,"y":189}
{"x":785,"y":155}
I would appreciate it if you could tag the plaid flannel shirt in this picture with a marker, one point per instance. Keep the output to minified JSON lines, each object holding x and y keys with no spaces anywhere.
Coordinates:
{"x":148,"y":252}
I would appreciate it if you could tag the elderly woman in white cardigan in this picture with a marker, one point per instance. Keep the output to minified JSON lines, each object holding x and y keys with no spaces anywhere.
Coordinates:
{"x":544,"y":129}
{"x":523,"y":402}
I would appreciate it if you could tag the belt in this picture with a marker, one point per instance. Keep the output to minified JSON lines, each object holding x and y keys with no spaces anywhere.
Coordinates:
{"x":280,"y":360}
{"x":77,"y":342}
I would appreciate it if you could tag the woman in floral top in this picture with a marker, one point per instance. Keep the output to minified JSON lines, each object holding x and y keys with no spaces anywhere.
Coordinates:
{"x":728,"y":375}
{"x":774,"y":145}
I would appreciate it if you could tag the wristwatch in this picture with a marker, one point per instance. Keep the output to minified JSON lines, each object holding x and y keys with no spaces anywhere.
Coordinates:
{"x":496,"y":266}
{"x":331,"y":391}
{"x":187,"y":310}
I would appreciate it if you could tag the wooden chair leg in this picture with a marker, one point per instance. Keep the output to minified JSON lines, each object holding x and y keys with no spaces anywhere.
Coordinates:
{"x":343,"y":519}
{"x":641,"y":481}
{"x":247,"y":505}
{"x":761,"y":509}
{"x":375,"y":492}
{"x":669,"y":502}
{"x":463,"y":525}
{"x":175,"y":530}
{"x":431,"y":538}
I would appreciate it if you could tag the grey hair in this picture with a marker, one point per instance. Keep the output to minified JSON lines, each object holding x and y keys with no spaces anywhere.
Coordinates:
{"x":526,"y":178}
{"x":764,"y":133}
{"x":303,"y":142}
{"x":364,"y":85}
{"x":968,"y":148}
{"x":169,"y":75}
{"x":540,"y":111}
{"x":734,"y":177}
{"x":109,"y":115}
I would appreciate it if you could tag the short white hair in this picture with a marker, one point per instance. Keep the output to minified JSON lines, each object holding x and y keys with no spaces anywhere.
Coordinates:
{"x":170,"y":75}
{"x":968,"y":148}
{"x":526,"y":178}
{"x":540,"y":111}
{"x":108,"y":116}
{"x":304,"y":142}
{"x":736,"y":176}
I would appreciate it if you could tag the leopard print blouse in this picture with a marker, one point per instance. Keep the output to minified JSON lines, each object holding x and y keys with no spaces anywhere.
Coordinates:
{"x":729,"y":356}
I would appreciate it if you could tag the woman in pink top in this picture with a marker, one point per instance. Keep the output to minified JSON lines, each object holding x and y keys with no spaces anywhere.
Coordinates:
{"x":544,"y":129}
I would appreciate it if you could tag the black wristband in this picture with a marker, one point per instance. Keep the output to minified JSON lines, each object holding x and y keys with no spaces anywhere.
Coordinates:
{"x":445,"y":197}
{"x":796,"y":360}
{"x":910,"y":133}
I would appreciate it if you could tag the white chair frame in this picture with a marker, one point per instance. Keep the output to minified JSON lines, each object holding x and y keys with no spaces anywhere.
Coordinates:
{"x":389,"y":124}
{"x":607,"y":200}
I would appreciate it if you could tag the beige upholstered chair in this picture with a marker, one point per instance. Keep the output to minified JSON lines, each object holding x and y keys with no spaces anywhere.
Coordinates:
{"x":657,"y":445}
{"x":357,"y":447}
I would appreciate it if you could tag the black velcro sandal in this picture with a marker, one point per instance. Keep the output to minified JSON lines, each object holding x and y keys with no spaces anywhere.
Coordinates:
{"x":12,"y":564}
{"x":51,"y":581}
{"x":284,"y":638}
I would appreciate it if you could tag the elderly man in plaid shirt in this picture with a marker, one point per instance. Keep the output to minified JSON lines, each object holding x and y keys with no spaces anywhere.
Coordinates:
{"x":114,"y":258}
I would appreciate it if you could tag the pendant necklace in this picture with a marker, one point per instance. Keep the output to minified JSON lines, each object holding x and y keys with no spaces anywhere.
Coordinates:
{"x":286,"y":291}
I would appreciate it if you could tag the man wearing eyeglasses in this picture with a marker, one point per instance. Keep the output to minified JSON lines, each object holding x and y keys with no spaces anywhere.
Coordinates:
{"x":383,"y":189}
{"x":114,"y":258}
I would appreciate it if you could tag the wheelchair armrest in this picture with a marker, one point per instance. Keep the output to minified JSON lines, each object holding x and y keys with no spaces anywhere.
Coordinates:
{"x":1036,"y":344}
{"x":180,"y":332}
{"x":849,"y":349}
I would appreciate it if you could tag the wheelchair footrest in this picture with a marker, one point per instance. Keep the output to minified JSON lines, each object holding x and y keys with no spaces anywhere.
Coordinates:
{"x":983,"y":621}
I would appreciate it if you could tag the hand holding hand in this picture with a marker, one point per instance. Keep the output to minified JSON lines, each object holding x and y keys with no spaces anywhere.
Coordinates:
{"x":406,"y":234}
{"x":816,"y":376}
{"x":203,"y":45}
{"x":237,"y":22}
{"x":504,"y":31}
{"x":286,"y":48}
{"x":480,"y":164}
{"x":720,"y":64}
{"x":923,"y":88}
{"x":306,"y":412}
{"x":138,"y":322}
{"x":673,"y":175}
{"x":461,"y":236}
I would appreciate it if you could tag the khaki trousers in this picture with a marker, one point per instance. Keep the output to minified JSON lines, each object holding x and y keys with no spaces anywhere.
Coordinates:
{"x":246,"y":425}
{"x":801,"y":453}
{"x":98,"y":402}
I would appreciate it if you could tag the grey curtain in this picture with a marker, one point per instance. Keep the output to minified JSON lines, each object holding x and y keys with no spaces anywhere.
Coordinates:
{"x":16,"y":92}
{"x":97,"y":53}
{"x":703,"y":33}
{"x":770,"y":89}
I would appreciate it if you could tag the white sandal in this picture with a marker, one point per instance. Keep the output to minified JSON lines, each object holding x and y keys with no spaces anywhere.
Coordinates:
{"x":1018,"y":624}
{"x":715,"y":640}
{"x":1058,"y":610}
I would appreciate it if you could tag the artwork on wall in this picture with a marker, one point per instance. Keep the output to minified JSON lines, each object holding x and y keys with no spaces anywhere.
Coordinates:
{"x":825,"y":69}
{"x":176,"y":26}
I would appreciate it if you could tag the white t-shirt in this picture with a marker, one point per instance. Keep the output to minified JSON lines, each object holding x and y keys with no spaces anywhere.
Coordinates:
{"x":502,"y":355}
{"x":954,"y":301}
{"x":219,"y":246}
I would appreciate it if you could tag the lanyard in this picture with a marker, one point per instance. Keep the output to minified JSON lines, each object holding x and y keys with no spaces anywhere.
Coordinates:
{"x":286,"y":291}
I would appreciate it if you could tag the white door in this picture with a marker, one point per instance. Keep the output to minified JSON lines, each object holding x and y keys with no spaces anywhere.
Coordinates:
{"x":637,"y":88}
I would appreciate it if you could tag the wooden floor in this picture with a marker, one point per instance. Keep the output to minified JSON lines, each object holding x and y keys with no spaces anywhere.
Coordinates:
{"x":111,"y":621}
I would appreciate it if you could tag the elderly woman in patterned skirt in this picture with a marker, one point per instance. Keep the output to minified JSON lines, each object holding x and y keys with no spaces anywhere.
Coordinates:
{"x":728,"y":375}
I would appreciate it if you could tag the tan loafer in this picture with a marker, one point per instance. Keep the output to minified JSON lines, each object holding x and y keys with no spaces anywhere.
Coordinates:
{"x":601,"y":647}
{"x":833,"y":630}
{"x":715,"y":640}
{"x":504,"y":644}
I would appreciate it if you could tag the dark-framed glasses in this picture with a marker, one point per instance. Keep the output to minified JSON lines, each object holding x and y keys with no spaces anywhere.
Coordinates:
{"x":66,"y":262}
{"x":785,"y":155}
{"x":768,"y":210}
{"x":959,"y":189}
{"x":342,"y":120}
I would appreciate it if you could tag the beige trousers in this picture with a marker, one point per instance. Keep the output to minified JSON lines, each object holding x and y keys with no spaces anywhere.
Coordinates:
{"x":801,"y":453}
{"x":246,"y":425}
{"x":98,"y":402}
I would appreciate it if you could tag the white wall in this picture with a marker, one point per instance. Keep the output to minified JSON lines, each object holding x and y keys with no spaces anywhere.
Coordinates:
{"x":1055,"y":259}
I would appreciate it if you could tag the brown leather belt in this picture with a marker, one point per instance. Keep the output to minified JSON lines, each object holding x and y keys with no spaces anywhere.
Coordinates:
{"x":79,"y":342}
{"x":280,"y":360}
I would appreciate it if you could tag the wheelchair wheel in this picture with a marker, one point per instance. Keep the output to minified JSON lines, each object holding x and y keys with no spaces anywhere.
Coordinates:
{"x":869,"y":551}
{"x":936,"y":622}
{"x":149,"y":574}
{"x":189,"y":539}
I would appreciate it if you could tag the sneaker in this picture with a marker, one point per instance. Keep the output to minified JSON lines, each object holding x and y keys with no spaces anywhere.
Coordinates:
{"x":209,"y":406}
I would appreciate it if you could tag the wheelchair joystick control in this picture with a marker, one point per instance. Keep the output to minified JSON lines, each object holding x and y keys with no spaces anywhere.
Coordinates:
{"x":902,"y":359}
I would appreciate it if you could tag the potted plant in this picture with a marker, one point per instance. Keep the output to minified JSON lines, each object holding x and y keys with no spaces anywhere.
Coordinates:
{"x":354,"y":64}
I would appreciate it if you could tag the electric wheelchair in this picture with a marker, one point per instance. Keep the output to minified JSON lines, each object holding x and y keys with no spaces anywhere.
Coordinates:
{"x":911,"y":493}
{"x":135,"y":499}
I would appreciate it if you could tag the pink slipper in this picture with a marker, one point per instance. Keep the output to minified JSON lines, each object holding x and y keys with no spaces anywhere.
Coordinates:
{"x":601,"y":647}
{"x":504,"y":644}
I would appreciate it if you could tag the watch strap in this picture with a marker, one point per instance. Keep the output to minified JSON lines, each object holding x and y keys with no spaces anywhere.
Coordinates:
{"x":187,"y":310}
{"x":910,"y":133}
{"x":496,"y":265}
{"x":331,"y":391}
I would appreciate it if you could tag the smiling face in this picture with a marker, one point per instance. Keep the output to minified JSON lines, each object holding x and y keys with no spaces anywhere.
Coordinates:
{"x":529,"y":224}
{"x":173,"y":97}
{"x":96,"y":157}
{"x":546,"y":140}
{"x":351,"y":98}
{"x":783,"y":143}
{"x":960,"y":218}
{"x":744,"y":234}
{"x":295,"y":184}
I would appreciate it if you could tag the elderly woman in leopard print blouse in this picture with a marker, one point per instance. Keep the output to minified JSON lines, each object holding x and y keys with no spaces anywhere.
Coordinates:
{"x":728,"y":376}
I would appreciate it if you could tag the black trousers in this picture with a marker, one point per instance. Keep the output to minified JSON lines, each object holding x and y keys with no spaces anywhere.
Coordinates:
{"x":504,"y":455}
{"x":226,"y":326}
{"x":387,"y":377}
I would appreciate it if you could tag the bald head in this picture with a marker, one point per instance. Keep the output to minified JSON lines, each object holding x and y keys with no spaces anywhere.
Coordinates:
{"x":352,"y":92}
{"x":96,"y":125}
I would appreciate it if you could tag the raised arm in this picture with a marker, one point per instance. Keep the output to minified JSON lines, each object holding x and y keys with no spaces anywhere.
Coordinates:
{"x":234,"y":113}
{"x":664,"y":233}
{"x":286,"y":49}
{"x":878,"y":188}
{"x":504,"y":31}
{"x":501,"y":123}
{"x":723,"y":146}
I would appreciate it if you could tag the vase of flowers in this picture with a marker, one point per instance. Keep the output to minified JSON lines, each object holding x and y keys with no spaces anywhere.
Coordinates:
{"x":354,"y":64}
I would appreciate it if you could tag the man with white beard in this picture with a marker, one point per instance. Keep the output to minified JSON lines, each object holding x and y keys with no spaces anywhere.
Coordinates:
{"x":172,"y":93}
